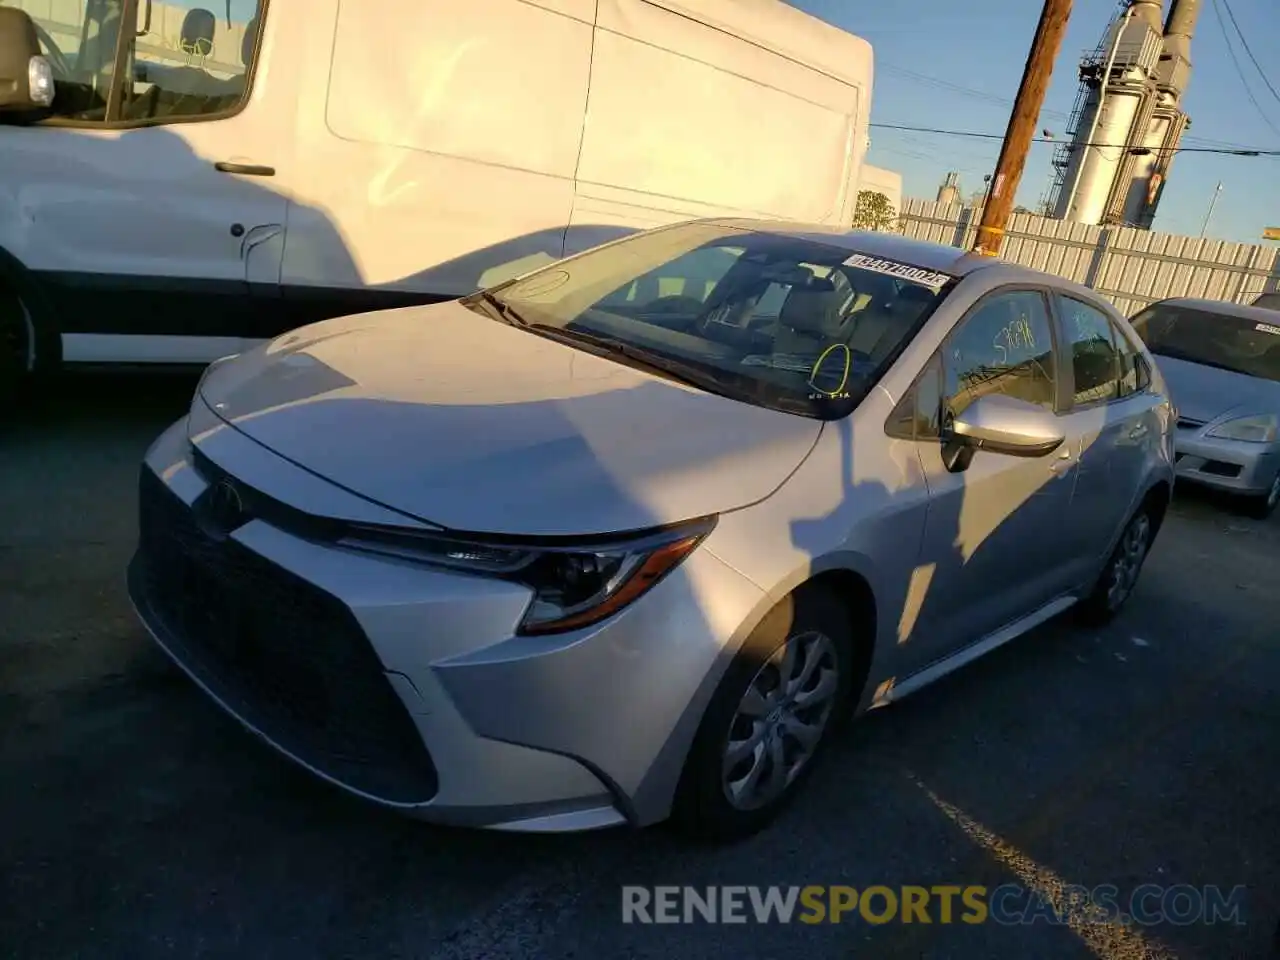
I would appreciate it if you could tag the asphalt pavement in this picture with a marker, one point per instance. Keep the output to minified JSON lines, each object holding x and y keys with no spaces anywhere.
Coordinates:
{"x":138,"y":821}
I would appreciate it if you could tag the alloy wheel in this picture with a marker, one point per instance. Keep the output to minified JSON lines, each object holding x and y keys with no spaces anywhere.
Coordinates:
{"x":1273,"y":494}
{"x":1128,"y":559}
{"x":780,"y":721}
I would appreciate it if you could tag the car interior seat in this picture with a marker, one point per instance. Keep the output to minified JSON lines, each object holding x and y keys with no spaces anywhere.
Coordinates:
{"x":878,"y":328}
{"x":811,"y":316}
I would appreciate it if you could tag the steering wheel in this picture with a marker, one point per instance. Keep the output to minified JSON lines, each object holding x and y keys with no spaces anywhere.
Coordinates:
{"x":53,"y":53}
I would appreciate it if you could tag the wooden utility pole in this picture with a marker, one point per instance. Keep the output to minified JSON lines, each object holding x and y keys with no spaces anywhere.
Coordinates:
{"x":1022,"y":125}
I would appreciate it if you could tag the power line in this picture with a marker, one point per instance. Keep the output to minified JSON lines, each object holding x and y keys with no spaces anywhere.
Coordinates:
{"x":996,"y":100}
{"x":1231,"y":151}
{"x":1245,"y":43}
{"x":1235,"y":62}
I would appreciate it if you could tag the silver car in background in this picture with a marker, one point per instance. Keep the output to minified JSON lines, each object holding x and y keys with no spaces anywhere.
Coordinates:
{"x":627,"y":537}
{"x":1222,"y":364}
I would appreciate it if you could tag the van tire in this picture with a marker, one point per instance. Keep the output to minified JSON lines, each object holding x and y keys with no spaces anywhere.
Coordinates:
{"x":30,"y":347}
{"x":814,"y":618}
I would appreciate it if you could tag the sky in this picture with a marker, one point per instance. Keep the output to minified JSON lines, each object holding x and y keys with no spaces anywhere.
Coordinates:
{"x":958,"y":66}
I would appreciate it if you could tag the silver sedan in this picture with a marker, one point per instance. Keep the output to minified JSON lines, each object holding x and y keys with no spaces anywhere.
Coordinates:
{"x":1222,"y":364}
{"x":626,"y":538}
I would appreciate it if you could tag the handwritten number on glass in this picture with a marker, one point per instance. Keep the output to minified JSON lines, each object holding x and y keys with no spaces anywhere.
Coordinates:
{"x":1015,"y":335}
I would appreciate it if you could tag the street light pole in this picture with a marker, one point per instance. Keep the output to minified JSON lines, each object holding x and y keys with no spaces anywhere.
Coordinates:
{"x":1209,"y":214}
{"x":1022,"y":125}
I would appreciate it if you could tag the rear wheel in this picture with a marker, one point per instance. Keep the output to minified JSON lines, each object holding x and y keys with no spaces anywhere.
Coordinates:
{"x":1120,"y":575}
{"x":1264,"y":505}
{"x":769,"y":719}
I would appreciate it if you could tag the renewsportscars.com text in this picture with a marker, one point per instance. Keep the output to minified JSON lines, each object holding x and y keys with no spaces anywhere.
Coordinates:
{"x":1009,"y":904}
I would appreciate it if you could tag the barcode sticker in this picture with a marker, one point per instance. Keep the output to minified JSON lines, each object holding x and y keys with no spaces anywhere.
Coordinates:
{"x":1268,"y":328}
{"x":893,"y":268}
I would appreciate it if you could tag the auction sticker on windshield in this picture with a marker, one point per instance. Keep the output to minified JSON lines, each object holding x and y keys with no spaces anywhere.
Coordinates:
{"x":903,"y":271}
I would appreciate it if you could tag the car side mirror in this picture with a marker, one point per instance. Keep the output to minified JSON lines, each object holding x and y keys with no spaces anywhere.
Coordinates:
{"x":26,"y":77}
{"x":1000,"y":424}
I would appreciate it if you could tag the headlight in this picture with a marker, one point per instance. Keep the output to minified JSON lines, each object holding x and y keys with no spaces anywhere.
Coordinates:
{"x":573,"y":586}
{"x":1258,"y":429}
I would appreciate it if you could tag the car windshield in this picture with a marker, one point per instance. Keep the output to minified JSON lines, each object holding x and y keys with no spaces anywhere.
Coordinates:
{"x":766,"y":318}
{"x":1240,"y":344}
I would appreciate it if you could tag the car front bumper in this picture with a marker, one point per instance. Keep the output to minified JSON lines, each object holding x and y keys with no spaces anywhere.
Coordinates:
{"x":406,"y":685}
{"x":1230,"y":465}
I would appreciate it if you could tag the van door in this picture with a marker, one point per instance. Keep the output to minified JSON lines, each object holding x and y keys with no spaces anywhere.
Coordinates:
{"x":148,"y":208}
{"x":442,"y":150}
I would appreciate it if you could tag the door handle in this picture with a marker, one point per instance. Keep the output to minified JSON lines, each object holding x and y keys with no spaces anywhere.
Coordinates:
{"x":244,"y":169}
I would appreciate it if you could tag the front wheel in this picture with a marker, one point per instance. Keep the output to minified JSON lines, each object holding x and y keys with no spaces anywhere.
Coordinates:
{"x":1264,"y":505}
{"x":769,"y":719}
{"x":1120,"y":575}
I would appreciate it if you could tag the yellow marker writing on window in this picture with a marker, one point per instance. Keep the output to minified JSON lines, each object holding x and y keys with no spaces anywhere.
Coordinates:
{"x":844,"y":379}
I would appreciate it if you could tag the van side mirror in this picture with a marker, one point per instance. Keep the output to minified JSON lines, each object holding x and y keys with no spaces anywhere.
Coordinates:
{"x":26,"y":77}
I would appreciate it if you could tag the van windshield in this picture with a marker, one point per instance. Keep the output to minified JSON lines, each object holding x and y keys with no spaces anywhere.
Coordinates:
{"x":1239,"y":344}
{"x":790,"y":323}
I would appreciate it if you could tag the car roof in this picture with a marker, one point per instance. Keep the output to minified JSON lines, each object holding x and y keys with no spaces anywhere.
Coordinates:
{"x":1223,"y":308}
{"x":939,"y":257}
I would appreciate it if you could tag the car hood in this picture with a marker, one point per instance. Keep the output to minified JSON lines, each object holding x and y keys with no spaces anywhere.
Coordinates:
{"x":471,"y":424}
{"x":1207,"y":393}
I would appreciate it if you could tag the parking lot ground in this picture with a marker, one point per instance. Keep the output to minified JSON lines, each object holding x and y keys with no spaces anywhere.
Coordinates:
{"x":137,"y":821}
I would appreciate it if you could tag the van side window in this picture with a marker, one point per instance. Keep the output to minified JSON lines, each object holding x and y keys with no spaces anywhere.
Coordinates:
{"x":189,"y":61}
{"x":185,"y":61}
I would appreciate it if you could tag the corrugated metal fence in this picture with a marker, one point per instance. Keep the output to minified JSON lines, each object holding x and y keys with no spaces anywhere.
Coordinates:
{"x":1130,"y":267}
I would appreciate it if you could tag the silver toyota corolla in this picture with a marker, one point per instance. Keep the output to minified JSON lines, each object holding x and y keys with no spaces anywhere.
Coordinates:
{"x":624,"y":539}
{"x":1222,"y":364}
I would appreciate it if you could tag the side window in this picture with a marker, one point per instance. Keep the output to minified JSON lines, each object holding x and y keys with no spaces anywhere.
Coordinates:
{"x":1094,"y":358}
{"x":188,"y":61}
{"x":918,"y":414}
{"x":78,"y":38}
{"x":1004,"y":346}
{"x":1134,"y":376}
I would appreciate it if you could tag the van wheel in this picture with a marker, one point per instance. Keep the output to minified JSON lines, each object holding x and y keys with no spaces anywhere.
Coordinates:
{"x":17,"y":338}
{"x":1120,"y":575}
{"x":29,"y":347}
{"x":769,"y":720}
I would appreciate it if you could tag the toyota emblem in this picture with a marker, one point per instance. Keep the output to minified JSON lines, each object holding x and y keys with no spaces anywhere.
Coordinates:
{"x":225,"y":505}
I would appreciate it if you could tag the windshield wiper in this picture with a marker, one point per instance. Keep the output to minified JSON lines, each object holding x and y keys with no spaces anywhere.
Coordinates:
{"x":502,"y":309}
{"x":689,"y":374}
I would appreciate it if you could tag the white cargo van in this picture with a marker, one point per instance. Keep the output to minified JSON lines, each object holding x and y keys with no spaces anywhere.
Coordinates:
{"x":208,"y":177}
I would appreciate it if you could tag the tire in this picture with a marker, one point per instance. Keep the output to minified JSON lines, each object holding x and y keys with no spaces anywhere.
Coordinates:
{"x":30,"y":348}
{"x":1262,"y":506}
{"x":1120,"y":575}
{"x":714,"y":801}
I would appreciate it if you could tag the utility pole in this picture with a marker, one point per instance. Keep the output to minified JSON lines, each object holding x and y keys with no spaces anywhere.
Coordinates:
{"x":1022,"y":125}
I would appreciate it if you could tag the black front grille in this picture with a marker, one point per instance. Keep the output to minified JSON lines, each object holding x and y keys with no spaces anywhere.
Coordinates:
{"x":287,"y":657}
